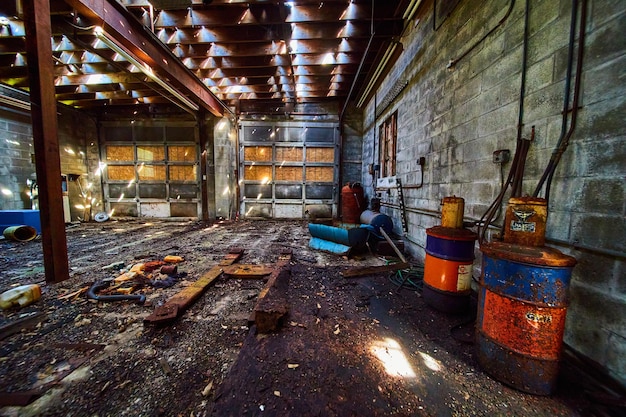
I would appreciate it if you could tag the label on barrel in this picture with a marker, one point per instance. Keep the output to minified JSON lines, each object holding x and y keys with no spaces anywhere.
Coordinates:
{"x":464,"y":277}
{"x":517,"y":226}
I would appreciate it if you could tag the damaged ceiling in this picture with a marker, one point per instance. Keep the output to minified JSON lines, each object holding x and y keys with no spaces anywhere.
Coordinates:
{"x":252,"y":56}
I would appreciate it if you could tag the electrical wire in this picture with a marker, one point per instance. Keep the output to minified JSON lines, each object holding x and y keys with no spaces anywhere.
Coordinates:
{"x":516,"y":173}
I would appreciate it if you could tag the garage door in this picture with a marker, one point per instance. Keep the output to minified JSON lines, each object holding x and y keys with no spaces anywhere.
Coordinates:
{"x":288,"y":170}
{"x":150,"y":171}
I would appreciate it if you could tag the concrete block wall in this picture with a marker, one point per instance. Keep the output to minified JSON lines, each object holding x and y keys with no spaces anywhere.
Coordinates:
{"x":351,"y":145}
{"x":16,"y":167}
{"x":457,"y":116}
{"x":16,"y":152}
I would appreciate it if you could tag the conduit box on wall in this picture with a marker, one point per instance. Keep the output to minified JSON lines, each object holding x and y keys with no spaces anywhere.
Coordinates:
{"x":501,"y":156}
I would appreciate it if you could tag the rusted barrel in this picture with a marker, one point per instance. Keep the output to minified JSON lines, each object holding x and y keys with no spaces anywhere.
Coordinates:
{"x":522,"y":304}
{"x":352,"y":202}
{"x":21,"y":233}
{"x":525,"y":221}
{"x":452,"y":210}
{"x":448,"y":268}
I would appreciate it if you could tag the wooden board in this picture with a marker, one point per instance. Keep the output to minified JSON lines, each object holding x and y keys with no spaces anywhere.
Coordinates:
{"x":373,"y":270}
{"x":180,"y":301}
{"x":248,"y":271}
{"x":272,"y":304}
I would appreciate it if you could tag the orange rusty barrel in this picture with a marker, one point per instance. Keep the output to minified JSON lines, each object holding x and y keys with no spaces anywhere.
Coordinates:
{"x":352,"y":202}
{"x":522,"y":304}
{"x":448,"y":268}
{"x":452,"y":212}
{"x":525,"y":221}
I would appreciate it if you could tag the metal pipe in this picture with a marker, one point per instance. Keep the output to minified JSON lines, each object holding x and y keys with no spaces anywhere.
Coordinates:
{"x":598,"y":251}
{"x":564,"y":141}
{"x":481,"y":40}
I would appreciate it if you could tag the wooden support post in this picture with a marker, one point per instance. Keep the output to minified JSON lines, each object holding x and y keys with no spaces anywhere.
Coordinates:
{"x":45,"y":138}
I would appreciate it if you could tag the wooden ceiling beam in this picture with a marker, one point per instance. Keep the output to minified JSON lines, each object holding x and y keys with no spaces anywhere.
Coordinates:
{"x":127,"y":31}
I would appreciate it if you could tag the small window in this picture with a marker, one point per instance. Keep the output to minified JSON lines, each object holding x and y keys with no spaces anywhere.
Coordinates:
{"x":182,"y":153}
{"x":388,"y":138}
{"x":151,"y":172}
{"x":182,"y":173}
{"x":120,"y":153}
{"x":150,"y":153}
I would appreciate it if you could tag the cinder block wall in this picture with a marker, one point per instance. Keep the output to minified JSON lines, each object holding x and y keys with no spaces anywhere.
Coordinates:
{"x":457,"y":117}
{"x":351,"y":144}
{"x":79,"y":160}
{"x":16,"y":167}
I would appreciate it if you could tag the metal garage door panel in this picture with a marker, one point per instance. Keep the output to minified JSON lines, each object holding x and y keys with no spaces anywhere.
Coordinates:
{"x":288,"y":211}
{"x":159,"y":210}
{"x":293,"y":192}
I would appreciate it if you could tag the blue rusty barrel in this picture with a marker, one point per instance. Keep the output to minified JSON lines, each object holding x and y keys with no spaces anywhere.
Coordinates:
{"x":448,"y":268}
{"x":522,"y":305}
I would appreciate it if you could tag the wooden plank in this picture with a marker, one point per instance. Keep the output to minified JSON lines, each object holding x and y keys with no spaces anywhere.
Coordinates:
{"x":373,"y":270}
{"x":248,"y":271}
{"x":21,"y":324}
{"x":395,"y":248}
{"x":272,"y":304}
{"x":180,"y":301}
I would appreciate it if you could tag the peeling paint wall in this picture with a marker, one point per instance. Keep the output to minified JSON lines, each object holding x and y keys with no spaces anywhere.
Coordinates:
{"x":457,"y":116}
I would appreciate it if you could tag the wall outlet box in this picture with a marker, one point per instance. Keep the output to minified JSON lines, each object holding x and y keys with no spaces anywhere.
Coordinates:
{"x":501,"y":156}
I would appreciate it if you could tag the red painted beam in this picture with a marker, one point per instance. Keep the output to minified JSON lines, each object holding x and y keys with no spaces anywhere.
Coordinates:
{"x":119,"y":24}
{"x":45,"y":138}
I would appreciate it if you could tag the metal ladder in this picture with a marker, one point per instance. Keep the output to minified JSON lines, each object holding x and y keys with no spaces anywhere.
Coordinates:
{"x":402,"y":208}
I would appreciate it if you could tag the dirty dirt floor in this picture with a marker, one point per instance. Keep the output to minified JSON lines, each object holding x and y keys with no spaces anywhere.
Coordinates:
{"x":349,"y":347}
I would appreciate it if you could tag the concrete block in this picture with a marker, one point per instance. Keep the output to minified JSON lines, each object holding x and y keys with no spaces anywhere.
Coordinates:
{"x":540,"y":74}
{"x":591,"y":319}
{"x":602,"y":195}
{"x":606,"y":40}
{"x":601,"y":231}
{"x":498,"y":120}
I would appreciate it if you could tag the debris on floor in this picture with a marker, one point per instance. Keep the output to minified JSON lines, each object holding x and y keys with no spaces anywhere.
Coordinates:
{"x":359,"y":346}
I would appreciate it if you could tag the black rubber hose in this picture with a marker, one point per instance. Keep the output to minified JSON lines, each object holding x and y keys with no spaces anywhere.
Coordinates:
{"x":99,"y":285}
{"x":566,"y":98}
{"x":579,"y":68}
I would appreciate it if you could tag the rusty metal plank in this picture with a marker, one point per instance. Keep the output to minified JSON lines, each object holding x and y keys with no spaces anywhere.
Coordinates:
{"x":180,"y":301}
{"x":45,"y":138}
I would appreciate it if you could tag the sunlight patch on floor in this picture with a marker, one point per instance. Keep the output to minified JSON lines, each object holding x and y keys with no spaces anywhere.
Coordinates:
{"x":390,"y":354}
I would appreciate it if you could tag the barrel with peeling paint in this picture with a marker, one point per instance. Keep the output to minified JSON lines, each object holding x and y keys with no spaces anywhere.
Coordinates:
{"x":522,"y":305}
{"x":352,"y":202}
{"x":525,"y":221}
{"x":448,"y":268}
